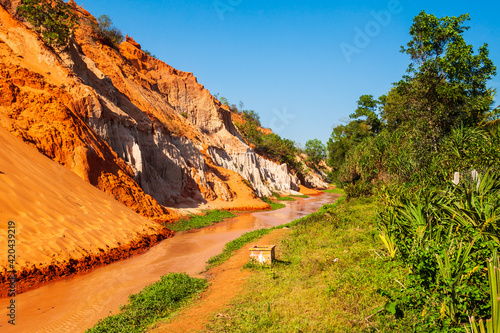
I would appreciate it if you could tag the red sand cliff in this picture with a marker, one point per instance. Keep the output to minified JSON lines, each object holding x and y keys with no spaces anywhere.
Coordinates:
{"x":36,"y":106}
{"x":146,"y":134}
{"x":63,"y":225}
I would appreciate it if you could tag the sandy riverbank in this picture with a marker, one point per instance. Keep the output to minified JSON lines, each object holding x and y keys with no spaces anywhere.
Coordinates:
{"x":63,"y":225}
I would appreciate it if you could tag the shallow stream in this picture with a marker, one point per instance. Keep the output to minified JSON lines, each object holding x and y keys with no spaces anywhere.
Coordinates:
{"x":77,"y":303}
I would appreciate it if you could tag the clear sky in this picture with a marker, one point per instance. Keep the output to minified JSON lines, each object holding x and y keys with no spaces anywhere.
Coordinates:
{"x":302,"y":65}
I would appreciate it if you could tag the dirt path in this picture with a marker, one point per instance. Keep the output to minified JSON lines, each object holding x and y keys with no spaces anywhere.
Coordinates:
{"x":226,"y":281}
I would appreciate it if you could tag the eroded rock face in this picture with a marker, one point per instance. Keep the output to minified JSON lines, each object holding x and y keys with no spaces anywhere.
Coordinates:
{"x":38,"y":105}
{"x":126,"y":122}
{"x":315,"y":180}
{"x":265,"y":176}
{"x":161,"y":118}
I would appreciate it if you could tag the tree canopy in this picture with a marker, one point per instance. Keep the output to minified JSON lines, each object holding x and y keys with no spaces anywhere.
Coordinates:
{"x":445,"y":83}
{"x":422,"y":127}
{"x":315,"y":150}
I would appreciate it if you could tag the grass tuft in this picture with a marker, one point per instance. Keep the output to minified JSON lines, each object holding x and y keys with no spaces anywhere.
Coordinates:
{"x":335,"y":190}
{"x":154,"y":302}
{"x":200,"y":221}
{"x":299,"y":196}
{"x":287,"y":198}
{"x":274,"y":205}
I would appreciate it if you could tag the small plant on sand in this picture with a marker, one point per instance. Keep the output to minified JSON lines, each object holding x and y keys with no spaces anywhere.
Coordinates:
{"x":149,"y":54}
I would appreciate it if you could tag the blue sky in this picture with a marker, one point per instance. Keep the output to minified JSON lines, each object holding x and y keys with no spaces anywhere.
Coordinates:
{"x":301,"y":65}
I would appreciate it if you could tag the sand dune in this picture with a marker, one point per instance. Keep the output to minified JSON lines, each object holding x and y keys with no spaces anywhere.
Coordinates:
{"x":63,"y":224}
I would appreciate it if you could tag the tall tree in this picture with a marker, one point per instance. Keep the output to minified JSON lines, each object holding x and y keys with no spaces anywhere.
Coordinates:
{"x":315,"y":151}
{"x":446,"y":82}
{"x":367,"y":107}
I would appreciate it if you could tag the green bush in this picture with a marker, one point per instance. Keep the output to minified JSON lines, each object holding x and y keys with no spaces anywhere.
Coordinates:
{"x":315,"y":151}
{"x":251,"y":116}
{"x":111,"y":35}
{"x":53,"y":19}
{"x":149,"y":53}
{"x":445,"y":236}
{"x":358,"y":189}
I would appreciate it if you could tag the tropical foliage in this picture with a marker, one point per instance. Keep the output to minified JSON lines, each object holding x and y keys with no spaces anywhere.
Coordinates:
{"x":406,"y":147}
{"x":435,"y":121}
{"x":446,"y":236}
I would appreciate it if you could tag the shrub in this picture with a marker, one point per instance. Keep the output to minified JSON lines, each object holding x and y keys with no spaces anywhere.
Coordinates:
{"x":315,"y":150}
{"x":111,"y":34}
{"x":149,"y":54}
{"x":53,"y":19}
{"x":358,"y":189}
{"x":445,"y":237}
{"x":251,"y":116}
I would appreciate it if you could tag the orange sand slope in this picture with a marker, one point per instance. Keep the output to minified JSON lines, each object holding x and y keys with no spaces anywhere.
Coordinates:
{"x":60,"y":217}
{"x":309,"y":191}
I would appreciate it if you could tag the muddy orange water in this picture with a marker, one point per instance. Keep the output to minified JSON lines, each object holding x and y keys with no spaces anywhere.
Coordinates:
{"x":77,"y":303}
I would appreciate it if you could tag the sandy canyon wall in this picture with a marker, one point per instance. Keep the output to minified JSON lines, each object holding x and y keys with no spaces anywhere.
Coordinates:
{"x":144,"y":133}
{"x":126,"y":122}
{"x":62,"y":224}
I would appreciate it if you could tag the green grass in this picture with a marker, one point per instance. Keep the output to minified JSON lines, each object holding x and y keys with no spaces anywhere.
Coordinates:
{"x":274,"y":205}
{"x":335,"y":190}
{"x":287,"y":198}
{"x":200,"y":221}
{"x":153,"y":303}
{"x":326,"y":278}
{"x":299,"y":196}
{"x":234,"y":245}
{"x":248,"y":237}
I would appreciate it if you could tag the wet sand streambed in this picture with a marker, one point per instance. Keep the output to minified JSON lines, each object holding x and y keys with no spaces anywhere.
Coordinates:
{"x":77,"y":303}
